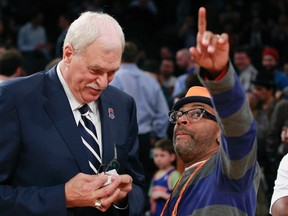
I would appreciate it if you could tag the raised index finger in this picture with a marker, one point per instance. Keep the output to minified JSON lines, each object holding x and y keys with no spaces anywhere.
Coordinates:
{"x":202,"y":20}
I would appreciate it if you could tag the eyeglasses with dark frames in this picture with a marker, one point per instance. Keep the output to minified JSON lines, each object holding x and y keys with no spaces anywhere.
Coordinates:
{"x":193,"y":115}
{"x":112,"y":165}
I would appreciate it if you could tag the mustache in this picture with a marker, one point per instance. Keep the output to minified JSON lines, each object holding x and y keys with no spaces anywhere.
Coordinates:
{"x":94,"y":86}
{"x":182,"y":129}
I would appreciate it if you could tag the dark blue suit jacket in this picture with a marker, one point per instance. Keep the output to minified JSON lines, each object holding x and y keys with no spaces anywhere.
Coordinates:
{"x":41,"y":148}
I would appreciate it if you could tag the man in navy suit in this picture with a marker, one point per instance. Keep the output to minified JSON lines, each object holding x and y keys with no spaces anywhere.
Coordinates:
{"x":44,"y":168}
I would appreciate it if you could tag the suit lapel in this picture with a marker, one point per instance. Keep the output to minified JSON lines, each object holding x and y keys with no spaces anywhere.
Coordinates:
{"x":108,"y":119}
{"x":58,"y":108}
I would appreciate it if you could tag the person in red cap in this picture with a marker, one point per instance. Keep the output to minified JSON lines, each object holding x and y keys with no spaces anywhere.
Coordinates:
{"x":270,"y":52}
{"x":215,"y":137}
{"x":270,"y":62}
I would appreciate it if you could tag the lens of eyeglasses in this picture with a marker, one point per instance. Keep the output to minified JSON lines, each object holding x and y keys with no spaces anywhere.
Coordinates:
{"x":114,"y":164}
{"x":195,"y":115}
{"x":173,"y":117}
{"x":192,"y":115}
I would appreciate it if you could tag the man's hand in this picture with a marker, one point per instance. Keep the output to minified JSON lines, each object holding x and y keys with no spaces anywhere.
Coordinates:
{"x":212,"y":50}
{"x":124,"y":187}
{"x":85,"y":190}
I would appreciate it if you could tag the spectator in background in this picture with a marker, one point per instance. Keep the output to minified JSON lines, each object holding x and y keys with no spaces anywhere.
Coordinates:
{"x":270,"y":61}
{"x":167,"y":78}
{"x":264,"y":91}
{"x":187,"y":65}
{"x":277,"y":135}
{"x":11,"y":65}
{"x":32,"y":42}
{"x":277,"y":140}
{"x":151,"y":67}
{"x":152,"y":108}
{"x":244,"y":67}
{"x":64,"y":22}
{"x":165,"y":178}
{"x":32,"y":35}
{"x":165,"y":52}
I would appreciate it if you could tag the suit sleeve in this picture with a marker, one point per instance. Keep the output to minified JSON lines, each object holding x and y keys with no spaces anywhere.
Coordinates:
{"x":25,"y":199}
{"x":137,"y":195}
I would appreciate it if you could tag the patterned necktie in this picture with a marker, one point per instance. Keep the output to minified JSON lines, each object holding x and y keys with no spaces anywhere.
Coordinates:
{"x":89,"y":138}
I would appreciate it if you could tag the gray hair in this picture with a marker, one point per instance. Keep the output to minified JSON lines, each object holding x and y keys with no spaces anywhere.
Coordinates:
{"x":90,"y":26}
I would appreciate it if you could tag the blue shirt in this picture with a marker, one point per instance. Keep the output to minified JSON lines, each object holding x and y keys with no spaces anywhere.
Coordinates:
{"x":152,"y":108}
{"x":281,"y":80}
{"x":30,"y":37}
{"x":163,"y":183}
{"x":180,"y":84}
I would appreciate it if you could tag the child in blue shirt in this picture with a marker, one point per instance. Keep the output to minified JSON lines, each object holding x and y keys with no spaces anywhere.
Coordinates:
{"x":165,"y":178}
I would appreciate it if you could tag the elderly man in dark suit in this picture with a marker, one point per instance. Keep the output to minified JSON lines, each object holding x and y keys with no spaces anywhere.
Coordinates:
{"x":50,"y":158}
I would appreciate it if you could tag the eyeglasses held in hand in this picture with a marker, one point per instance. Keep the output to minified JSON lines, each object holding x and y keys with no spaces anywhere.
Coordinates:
{"x":193,"y":115}
{"x":112,"y":165}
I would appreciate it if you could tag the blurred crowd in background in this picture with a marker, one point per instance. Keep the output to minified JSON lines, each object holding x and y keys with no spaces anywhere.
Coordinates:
{"x":153,"y":24}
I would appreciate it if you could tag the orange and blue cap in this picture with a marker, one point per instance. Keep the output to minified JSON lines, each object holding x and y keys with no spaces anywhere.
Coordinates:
{"x":194,"y":94}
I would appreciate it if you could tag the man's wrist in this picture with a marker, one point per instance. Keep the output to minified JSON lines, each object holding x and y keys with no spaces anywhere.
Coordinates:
{"x":120,"y":208}
{"x":216,"y":76}
{"x":122,"y":205}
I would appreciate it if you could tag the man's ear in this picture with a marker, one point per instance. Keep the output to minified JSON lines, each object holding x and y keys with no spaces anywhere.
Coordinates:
{"x":68,"y":53}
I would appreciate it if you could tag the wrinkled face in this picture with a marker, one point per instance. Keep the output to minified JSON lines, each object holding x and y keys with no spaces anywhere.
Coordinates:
{"x":162,"y":159}
{"x":241,"y":60}
{"x":269,"y":62}
{"x":89,"y":72}
{"x":195,"y":140}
